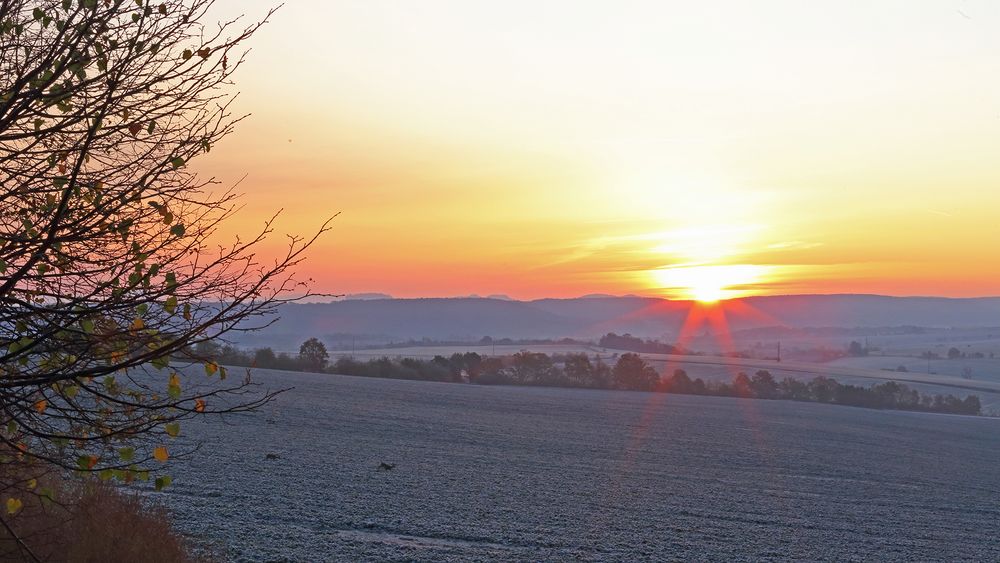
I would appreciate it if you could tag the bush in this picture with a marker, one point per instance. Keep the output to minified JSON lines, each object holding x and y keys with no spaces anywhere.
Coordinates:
{"x":93,"y":521}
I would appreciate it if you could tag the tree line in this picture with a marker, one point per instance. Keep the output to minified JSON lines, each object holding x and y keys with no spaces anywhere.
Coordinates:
{"x":629,"y":372}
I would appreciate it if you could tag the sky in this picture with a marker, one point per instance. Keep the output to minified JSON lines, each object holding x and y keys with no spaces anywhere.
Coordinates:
{"x":556,"y":148}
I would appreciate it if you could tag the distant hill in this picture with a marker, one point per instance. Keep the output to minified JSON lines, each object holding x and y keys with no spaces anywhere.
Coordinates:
{"x":470,"y":319}
{"x":365,"y":296}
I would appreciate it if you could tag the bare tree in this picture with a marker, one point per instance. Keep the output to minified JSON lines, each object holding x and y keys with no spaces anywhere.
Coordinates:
{"x":108,"y":270}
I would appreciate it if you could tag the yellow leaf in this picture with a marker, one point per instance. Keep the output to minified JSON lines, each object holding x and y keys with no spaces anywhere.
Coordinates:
{"x":40,"y":405}
{"x":211,"y":368}
{"x":32,"y":483}
{"x":175,"y":381}
{"x":14,"y":505}
{"x":138,"y":324}
{"x":160,"y":454}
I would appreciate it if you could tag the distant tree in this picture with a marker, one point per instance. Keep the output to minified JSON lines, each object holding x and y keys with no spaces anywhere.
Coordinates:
{"x":954,"y":353}
{"x":493,"y":372}
{"x":579,"y":370}
{"x":313,"y":355}
{"x":264,"y":358}
{"x":635,"y":344}
{"x":601,"y":374}
{"x":764,"y":385}
{"x":822,"y":389}
{"x":794,"y":389}
{"x":533,"y":368}
{"x":287,"y":362}
{"x":632,"y":372}
{"x":742,"y":385}
{"x":679,"y":382}
{"x":971,"y":405}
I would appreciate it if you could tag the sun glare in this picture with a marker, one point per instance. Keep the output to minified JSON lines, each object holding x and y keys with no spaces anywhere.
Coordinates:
{"x":708,"y":284}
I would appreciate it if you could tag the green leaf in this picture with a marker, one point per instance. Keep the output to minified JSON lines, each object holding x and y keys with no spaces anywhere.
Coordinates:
{"x":38,"y":13}
{"x":177,"y":230}
{"x":162,"y":482}
{"x":71,"y":391}
{"x":170,"y":305}
{"x":173,"y":429}
{"x":87,"y":325}
{"x":47,"y":495}
{"x":187,"y":54}
{"x":126,"y":454}
{"x":161,"y":362}
{"x":177,"y":162}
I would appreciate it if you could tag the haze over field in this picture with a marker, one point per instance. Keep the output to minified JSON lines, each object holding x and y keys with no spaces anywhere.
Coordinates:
{"x":469,"y":319}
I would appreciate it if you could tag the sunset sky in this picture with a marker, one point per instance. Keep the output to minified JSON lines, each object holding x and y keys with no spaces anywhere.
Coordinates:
{"x":681,"y":149}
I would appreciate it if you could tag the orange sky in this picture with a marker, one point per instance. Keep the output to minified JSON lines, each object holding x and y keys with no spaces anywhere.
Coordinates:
{"x":563,"y":147}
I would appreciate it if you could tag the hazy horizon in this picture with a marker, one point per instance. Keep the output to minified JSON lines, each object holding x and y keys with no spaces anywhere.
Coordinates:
{"x":370,"y":295}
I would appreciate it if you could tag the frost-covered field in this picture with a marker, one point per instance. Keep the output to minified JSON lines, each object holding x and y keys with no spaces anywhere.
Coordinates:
{"x":528,"y":474}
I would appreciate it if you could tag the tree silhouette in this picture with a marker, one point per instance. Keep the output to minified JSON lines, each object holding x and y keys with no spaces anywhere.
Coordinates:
{"x":632,"y":372}
{"x":109,"y":273}
{"x":313,"y":355}
{"x":764,"y":385}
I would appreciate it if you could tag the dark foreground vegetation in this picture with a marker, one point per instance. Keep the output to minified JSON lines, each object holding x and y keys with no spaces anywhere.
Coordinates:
{"x":89,"y":521}
{"x":629,"y":372}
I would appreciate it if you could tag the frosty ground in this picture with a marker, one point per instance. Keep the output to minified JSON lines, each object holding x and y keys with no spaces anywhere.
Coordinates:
{"x":516,"y":473}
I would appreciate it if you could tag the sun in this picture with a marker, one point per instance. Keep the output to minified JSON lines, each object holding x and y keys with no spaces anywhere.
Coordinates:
{"x":707,"y":293}
{"x":708,"y":283}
